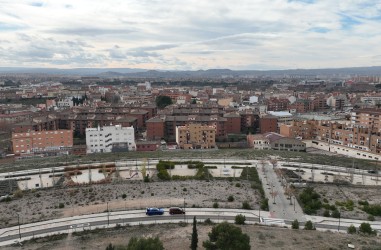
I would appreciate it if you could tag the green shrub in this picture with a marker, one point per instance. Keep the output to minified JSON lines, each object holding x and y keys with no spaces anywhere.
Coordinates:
{"x":238,"y":184}
{"x":371,"y":218}
{"x":124,"y":196}
{"x":310,"y":200}
{"x":374,"y":210}
{"x":240,"y":219}
{"x":215,"y":205}
{"x":326,"y":213}
{"x":365,"y":228}
{"x":309,"y":226}
{"x":265,"y":204}
{"x":246,"y":205}
{"x":61,"y":205}
{"x":208,"y":221}
{"x":363,"y":203}
{"x":295,"y":224}
{"x":336,"y":214}
{"x":230,"y":198}
{"x":351,"y":229}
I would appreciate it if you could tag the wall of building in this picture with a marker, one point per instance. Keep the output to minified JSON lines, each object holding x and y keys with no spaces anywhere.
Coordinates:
{"x":196,"y":136}
{"x":268,"y":125}
{"x":342,"y":150}
{"x":104,"y":139}
{"x":40,"y":141}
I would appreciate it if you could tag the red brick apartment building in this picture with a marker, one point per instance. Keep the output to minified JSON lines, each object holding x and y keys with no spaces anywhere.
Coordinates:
{"x":275,"y":104}
{"x":41,"y":141}
{"x":268,"y":123}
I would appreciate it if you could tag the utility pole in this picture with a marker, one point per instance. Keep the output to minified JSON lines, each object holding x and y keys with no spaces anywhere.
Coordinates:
{"x":18,"y":220}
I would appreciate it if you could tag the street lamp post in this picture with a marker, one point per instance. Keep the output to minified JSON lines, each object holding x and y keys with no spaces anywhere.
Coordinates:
{"x":259,"y":216}
{"x":294,"y":203}
{"x":338,"y":228}
{"x":108,"y":216}
{"x":184,"y":209}
{"x":18,"y":220}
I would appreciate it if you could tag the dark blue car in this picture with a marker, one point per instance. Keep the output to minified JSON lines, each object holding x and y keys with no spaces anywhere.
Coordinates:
{"x":154,"y":211}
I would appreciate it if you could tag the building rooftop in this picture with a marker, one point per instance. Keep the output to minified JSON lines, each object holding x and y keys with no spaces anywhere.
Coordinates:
{"x":280,"y":113}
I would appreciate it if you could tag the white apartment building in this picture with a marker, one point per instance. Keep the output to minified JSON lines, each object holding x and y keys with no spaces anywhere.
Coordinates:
{"x":110,"y":139}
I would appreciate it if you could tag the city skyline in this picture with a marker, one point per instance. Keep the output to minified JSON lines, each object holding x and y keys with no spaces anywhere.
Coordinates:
{"x":190,"y":35}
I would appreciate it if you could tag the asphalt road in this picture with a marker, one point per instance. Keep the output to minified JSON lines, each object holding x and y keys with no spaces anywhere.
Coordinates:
{"x":121,"y":221}
{"x":102,"y":222}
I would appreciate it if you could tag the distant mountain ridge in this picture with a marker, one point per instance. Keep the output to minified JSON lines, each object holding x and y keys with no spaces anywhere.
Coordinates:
{"x":211,"y":73}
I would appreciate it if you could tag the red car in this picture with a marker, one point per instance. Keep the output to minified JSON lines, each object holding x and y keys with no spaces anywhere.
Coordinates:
{"x":176,"y":210}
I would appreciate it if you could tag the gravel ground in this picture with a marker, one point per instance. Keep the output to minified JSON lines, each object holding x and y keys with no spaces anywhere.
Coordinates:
{"x":176,"y":237}
{"x":43,"y":204}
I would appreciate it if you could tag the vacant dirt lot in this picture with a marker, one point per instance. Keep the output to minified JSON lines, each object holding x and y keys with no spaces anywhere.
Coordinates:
{"x":36,"y":205}
{"x":178,"y":237}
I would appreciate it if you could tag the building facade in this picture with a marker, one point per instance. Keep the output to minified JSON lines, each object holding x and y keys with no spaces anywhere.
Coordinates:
{"x":110,"y":139}
{"x":41,"y":141}
{"x":196,"y":136}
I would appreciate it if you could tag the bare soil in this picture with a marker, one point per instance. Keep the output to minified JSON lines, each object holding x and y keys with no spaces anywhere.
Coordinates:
{"x":49,"y":203}
{"x":177,"y":237}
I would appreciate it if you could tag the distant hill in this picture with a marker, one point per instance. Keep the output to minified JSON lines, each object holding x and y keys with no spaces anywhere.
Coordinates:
{"x":210,"y":73}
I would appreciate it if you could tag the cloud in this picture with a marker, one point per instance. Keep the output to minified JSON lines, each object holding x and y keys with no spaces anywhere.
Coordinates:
{"x":88,"y":31}
{"x":190,"y":33}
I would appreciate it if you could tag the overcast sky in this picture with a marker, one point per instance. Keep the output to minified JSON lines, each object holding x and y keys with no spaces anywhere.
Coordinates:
{"x":190,"y":34}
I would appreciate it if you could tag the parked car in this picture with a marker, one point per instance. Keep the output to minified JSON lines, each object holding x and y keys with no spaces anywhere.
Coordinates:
{"x":154,"y":211}
{"x":176,"y":210}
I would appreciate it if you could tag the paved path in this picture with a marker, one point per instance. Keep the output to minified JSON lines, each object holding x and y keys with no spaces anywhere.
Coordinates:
{"x":279,"y":204}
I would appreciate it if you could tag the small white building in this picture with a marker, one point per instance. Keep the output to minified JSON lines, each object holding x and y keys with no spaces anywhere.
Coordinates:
{"x":110,"y":139}
{"x":253,"y":99}
{"x":65,"y":103}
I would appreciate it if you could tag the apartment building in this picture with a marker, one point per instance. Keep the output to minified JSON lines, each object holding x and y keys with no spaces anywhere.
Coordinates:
{"x":169,"y":123}
{"x":277,"y":104}
{"x":367,"y":118}
{"x":42,"y":141}
{"x":196,"y":136}
{"x":110,"y":139}
{"x":268,"y":123}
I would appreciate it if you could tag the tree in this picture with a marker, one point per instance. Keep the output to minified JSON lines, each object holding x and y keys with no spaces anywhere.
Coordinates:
{"x":351,"y":229}
{"x":230,"y":198}
{"x":145,"y":244}
{"x":194,"y":240}
{"x":225,"y":236}
{"x":110,"y":247}
{"x":215,"y":205}
{"x":163,"y":101}
{"x":336,"y":214}
{"x":309,"y":226}
{"x":366,"y":228}
{"x":295,"y":224}
{"x":240,"y":219}
{"x":326,"y":213}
